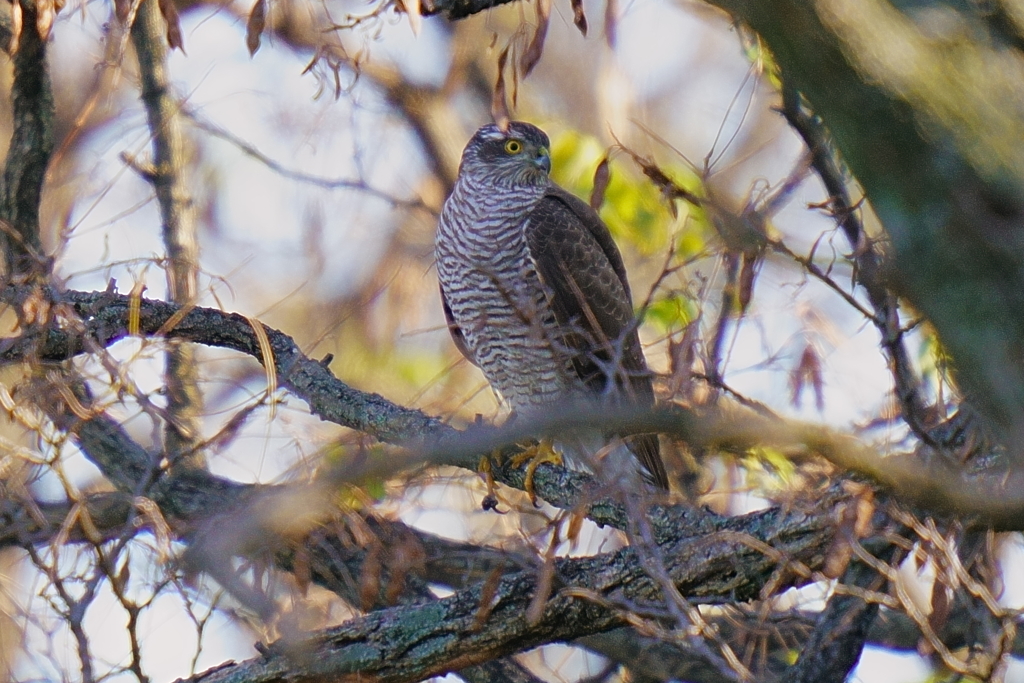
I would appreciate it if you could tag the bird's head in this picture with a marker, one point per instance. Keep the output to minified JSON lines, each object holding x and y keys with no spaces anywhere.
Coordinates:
{"x":517,"y":155}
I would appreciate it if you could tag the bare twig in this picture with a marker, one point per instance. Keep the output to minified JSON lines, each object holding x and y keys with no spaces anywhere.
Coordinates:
{"x":865,"y":257}
{"x":29,"y":153}
{"x":326,"y":183}
{"x":183,"y":429}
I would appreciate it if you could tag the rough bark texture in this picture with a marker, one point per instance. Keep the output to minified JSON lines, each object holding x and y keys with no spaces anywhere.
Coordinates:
{"x":707,"y":558}
{"x":837,"y":641}
{"x":412,"y":642}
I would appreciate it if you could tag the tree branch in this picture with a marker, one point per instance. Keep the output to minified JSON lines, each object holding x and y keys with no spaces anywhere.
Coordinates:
{"x":29,"y":153}
{"x":866,"y":258}
{"x":932,"y":486}
{"x":414,"y":642}
{"x":838,"y":638}
{"x":183,"y":430}
{"x":937,"y":151}
{"x":223,"y":520}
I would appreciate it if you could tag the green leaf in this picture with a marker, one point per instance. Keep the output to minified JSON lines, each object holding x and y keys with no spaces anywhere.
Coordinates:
{"x":633,"y":207}
{"x":671,"y":313}
{"x":765,"y":463}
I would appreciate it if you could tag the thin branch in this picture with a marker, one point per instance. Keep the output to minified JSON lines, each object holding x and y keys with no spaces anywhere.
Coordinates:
{"x":866,"y":258}
{"x":326,"y":183}
{"x":811,"y":267}
{"x":29,"y":153}
{"x":183,"y":429}
{"x":35,"y":523}
{"x":73,"y":614}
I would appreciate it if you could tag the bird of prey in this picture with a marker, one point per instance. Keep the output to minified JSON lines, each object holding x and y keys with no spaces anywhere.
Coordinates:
{"x":535,"y":292}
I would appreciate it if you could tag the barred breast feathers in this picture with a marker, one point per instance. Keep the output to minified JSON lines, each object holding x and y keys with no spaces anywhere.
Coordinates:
{"x":495,"y":294}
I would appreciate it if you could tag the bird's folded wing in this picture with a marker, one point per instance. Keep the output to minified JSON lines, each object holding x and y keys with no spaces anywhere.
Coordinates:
{"x":458,"y":336}
{"x":582,"y":271}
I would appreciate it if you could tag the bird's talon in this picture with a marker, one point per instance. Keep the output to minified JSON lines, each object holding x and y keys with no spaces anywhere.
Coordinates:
{"x":535,"y":455}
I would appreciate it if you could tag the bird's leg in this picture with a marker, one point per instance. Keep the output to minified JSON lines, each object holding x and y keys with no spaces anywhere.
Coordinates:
{"x":535,"y":455}
{"x":490,"y":501}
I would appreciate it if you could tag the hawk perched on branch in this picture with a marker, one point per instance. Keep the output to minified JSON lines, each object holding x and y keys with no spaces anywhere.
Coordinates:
{"x":535,"y":292}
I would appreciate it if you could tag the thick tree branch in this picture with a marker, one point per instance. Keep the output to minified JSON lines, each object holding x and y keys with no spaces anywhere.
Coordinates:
{"x":458,"y":565}
{"x":933,"y":486}
{"x":31,"y":522}
{"x":106,"y":316}
{"x":224,"y":520}
{"x":415,"y":642}
{"x":835,"y":645}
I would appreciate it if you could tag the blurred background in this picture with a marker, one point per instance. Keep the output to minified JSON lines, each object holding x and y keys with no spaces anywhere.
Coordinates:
{"x":317,"y":167}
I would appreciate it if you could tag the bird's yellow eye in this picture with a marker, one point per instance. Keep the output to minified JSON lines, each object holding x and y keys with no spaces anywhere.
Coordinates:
{"x":513,"y":147}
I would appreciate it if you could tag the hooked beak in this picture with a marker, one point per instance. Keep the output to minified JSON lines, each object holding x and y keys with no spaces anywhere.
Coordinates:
{"x":543,"y":160}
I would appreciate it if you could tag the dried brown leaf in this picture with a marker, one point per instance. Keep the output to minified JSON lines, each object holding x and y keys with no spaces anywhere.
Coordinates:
{"x":942,"y":605}
{"x":838,"y":556}
{"x":499,"y":100}
{"x":46,"y":12}
{"x":122,"y":8}
{"x":578,"y":17}
{"x":396,"y":585}
{"x":545,"y":582}
{"x":16,"y":26}
{"x":370,"y":578}
{"x":413,"y":9}
{"x":35,"y":309}
{"x":575,"y":525}
{"x":602,"y":176}
{"x":254,"y":26}
{"x":123,"y":576}
{"x":170,"y":13}
{"x":487,"y":598}
{"x":301,"y":569}
{"x":515,"y":83}
{"x":529,"y":59}
{"x":748,"y":273}
{"x":865,"y":513}
{"x":682,"y":353}
{"x":611,"y":19}
{"x":404,"y":556}
{"x":807,"y":371}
